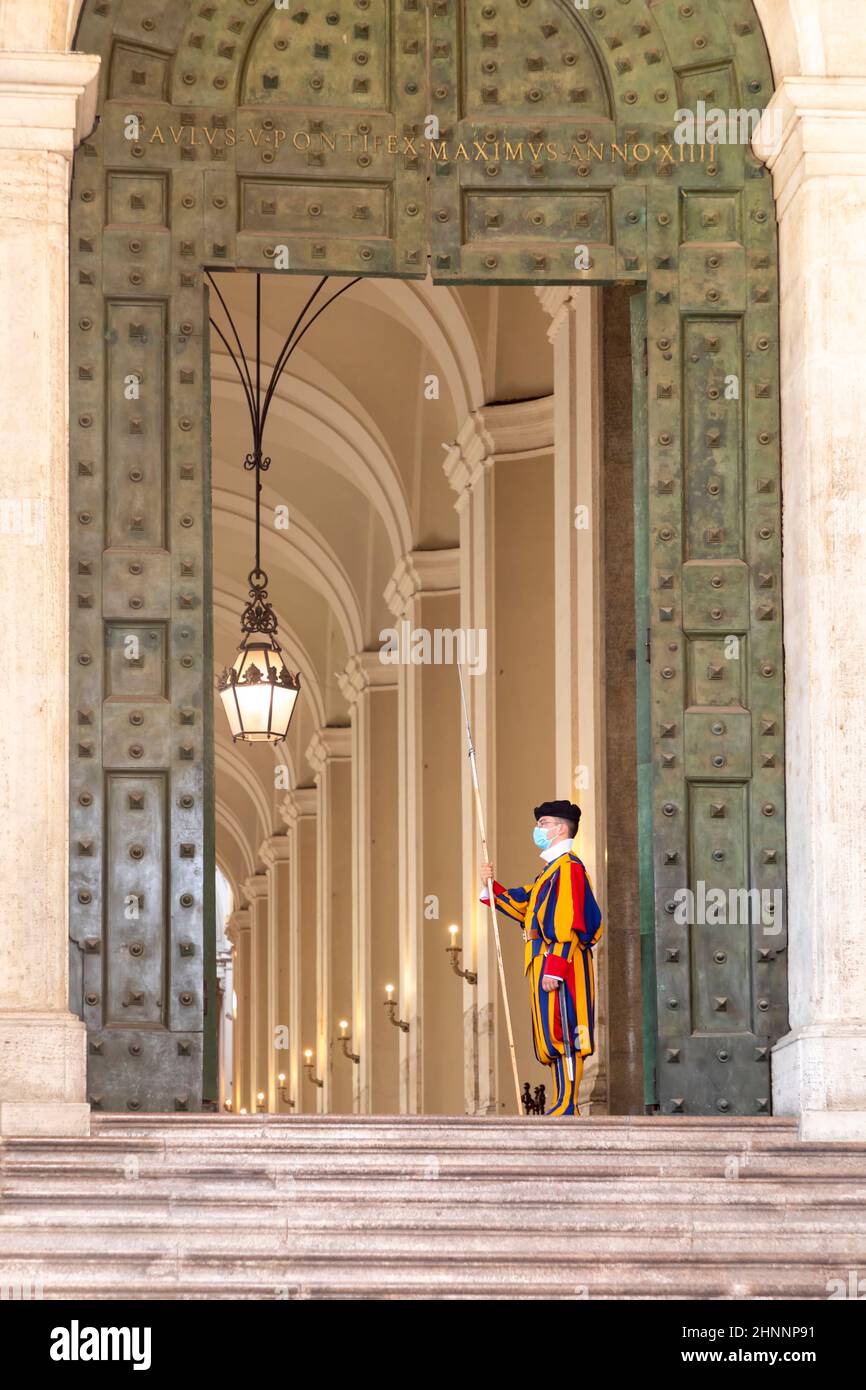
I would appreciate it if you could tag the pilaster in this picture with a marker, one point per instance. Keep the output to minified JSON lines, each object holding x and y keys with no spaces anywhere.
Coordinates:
{"x":423,"y":596}
{"x":255,"y":889}
{"x":47,"y":102}
{"x":329,"y":755}
{"x":370,"y":688}
{"x":818,"y":163}
{"x":276,"y":855}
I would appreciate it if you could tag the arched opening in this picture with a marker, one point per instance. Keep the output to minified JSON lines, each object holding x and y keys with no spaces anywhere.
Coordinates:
{"x":554,"y":198}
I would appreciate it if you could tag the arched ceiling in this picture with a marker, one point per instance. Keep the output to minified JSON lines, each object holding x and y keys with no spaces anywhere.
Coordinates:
{"x":356,"y":448}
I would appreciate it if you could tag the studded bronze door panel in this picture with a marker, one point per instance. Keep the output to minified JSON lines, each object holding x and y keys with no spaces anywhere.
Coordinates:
{"x":557,"y":162}
{"x":287,"y":136}
{"x":231,"y":134}
{"x":141,"y":667}
{"x":297,"y":139}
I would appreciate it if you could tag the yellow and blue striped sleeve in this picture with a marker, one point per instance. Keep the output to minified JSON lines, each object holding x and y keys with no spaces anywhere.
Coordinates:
{"x":513,"y":902}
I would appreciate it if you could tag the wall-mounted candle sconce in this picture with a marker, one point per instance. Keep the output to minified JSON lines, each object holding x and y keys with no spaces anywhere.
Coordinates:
{"x":308,"y":1067}
{"x":227,"y":1105}
{"x":455,"y":953}
{"x":345,"y":1041}
{"x":284,"y":1095}
{"x":391,"y":1006}
{"x":260,"y":1100}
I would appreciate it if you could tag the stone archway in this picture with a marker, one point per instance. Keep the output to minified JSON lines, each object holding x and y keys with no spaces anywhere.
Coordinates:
{"x":51,"y":94}
{"x":298,"y":140}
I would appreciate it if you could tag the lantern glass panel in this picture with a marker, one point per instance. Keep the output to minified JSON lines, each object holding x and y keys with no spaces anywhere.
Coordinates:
{"x":258,"y":711}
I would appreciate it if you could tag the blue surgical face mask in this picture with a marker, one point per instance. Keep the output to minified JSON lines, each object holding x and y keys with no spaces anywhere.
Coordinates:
{"x":541,"y":837}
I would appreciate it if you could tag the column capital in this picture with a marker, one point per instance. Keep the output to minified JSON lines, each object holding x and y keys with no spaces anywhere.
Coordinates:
{"x":297,"y":804}
{"x":524,"y":427}
{"x":255,"y":887}
{"x":813,"y":127}
{"x":238,"y":922}
{"x":276,"y":849}
{"x":365,"y":671}
{"x":329,"y":744}
{"x":422,"y":572}
{"x":47,"y":100}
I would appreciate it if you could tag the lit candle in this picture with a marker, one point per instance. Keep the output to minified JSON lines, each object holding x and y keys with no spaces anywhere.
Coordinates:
{"x":281,"y":1078}
{"x":389,"y":990}
{"x":343,"y":1026}
{"x":308,"y":1053}
{"x":260,"y":1096}
{"x":453,"y":930}
{"x":243,"y":1109}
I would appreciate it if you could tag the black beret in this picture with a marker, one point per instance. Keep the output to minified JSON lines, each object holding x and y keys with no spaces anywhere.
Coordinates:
{"x":562,"y":810}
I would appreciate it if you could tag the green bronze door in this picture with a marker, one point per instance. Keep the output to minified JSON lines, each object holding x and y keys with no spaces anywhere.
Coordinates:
{"x":230,"y":134}
{"x":557,"y":161}
{"x":523,"y":141}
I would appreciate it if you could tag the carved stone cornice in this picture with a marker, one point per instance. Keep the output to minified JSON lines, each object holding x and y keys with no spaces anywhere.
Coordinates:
{"x":559,"y":301}
{"x":422,"y":572}
{"x":47,"y":100}
{"x":813,"y":127}
{"x":365,"y":671}
{"x":329,"y":744}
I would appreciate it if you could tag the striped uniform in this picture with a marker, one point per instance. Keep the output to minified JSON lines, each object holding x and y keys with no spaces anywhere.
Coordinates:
{"x":561,"y":923}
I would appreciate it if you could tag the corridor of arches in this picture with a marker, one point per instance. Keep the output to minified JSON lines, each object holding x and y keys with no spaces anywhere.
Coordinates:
{"x":443,"y":459}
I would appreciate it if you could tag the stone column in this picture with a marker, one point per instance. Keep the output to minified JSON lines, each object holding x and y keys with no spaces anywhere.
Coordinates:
{"x":299,"y":811}
{"x":819,"y":174}
{"x":370,"y":688}
{"x":255,"y":889}
{"x":47,"y":103}
{"x":225,"y":986}
{"x":276,"y":854}
{"x":329,"y":754}
{"x":423,"y":596}
{"x":575,"y":332}
{"x":238,"y":932}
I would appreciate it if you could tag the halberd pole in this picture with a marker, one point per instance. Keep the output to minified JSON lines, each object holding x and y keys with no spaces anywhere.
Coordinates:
{"x":480,"y":811}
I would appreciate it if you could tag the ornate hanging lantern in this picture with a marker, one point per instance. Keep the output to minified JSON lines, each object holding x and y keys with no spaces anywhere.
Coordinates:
{"x":258,"y":691}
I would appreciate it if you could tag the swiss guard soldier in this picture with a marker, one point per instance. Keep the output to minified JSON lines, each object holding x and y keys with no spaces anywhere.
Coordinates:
{"x":561,"y":923}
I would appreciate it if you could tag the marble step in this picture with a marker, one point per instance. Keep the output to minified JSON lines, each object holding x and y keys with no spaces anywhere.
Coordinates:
{"x":41,"y":1160}
{"x":632,"y":1275}
{"x":431,"y":1207}
{"x":448,"y":1132}
{"x":274,"y":1220}
{"x":216,"y":1185}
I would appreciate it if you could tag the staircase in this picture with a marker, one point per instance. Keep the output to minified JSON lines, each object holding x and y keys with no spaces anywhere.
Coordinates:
{"x":268,"y":1207}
